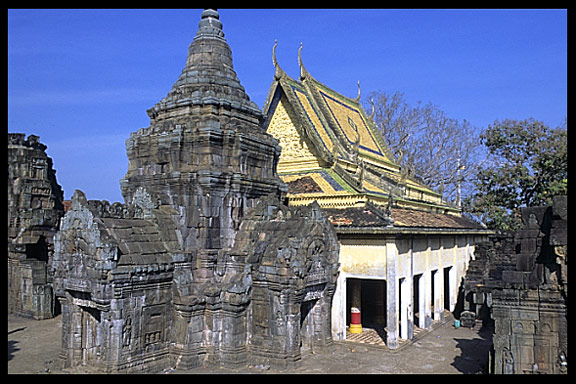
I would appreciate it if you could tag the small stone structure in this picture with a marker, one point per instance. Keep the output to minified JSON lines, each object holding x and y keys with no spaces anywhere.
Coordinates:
{"x":521,"y":281}
{"x":203,"y":264}
{"x":34,"y":211}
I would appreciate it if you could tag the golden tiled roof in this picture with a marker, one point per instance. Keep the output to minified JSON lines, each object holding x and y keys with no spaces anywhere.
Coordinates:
{"x":353,"y":125}
{"x":332,"y":151}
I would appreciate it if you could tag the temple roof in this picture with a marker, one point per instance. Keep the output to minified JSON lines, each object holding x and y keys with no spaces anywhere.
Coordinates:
{"x":333,"y":153}
{"x":372,"y":219}
{"x":331,"y":142}
{"x":139,"y":241}
{"x":337,"y":125}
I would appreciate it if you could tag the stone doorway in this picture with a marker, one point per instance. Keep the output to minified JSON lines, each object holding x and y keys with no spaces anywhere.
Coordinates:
{"x":90,"y":320}
{"x":307,"y":325}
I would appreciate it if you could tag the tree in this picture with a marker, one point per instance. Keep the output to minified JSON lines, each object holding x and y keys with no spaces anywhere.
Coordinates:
{"x":441,"y":151}
{"x":527,"y":165}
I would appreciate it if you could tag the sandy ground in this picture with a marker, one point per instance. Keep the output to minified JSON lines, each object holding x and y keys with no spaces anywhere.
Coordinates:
{"x":34,"y":346}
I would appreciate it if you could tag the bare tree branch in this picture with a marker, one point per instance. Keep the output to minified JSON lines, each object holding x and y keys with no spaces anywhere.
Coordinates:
{"x":441,"y":151}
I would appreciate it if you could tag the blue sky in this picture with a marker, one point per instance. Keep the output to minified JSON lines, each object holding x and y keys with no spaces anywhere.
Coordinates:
{"x":82,"y":80}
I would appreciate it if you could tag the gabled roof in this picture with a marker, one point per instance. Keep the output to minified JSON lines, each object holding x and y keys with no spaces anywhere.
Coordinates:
{"x":140,"y":241}
{"x":330,"y":134}
{"x":312,"y":123}
{"x":336,"y":125}
{"x":350,"y":124}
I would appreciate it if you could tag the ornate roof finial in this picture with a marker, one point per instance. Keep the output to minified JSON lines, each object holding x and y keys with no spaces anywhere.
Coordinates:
{"x":359,"y":93}
{"x":303,"y":72}
{"x":274,"y":61}
{"x":278,"y":73}
{"x":373,"y":109}
{"x":210,"y":24}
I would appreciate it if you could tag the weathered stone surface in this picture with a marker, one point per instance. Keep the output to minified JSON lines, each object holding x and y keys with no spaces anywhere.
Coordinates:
{"x":205,"y":152}
{"x":522,"y":280}
{"x":203,"y":264}
{"x":467,"y":319}
{"x":34,"y":210}
{"x":114,"y":288}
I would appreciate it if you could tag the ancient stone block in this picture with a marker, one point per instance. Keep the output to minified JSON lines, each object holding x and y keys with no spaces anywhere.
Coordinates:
{"x":527,"y":283}
{"x":468,"y":319}
{"x":34,"y":211}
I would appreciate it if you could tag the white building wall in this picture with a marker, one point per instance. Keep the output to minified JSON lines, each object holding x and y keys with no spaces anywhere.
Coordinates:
{"x":427,"y":256}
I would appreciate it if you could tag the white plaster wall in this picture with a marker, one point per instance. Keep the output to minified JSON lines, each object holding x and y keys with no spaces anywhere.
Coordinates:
{"x":366,"y":259}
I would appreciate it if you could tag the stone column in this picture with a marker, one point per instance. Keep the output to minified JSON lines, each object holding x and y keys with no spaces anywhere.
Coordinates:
{"x":426,"y":286}
{"x":408,"y":296}
{"x":438,"y":281}
{"x":356,"y":287}
{"x":392,"y":293}
{"x":339,"y":309}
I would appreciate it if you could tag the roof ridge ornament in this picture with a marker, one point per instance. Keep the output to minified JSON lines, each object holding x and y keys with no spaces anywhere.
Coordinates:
{"x":303,"y":72}
{"x":278,"y":71}
{"x":274,"y":61}
{"x":371,"y":100}
{"x":359,"y":93}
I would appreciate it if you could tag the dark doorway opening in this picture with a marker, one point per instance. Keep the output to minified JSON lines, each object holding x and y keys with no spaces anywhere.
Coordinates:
{"x":447,"y":288}
{"x":416,"y":298}
{"x":432,"y":290}
{"x":373,"y":301}
{"x":38,"y":251}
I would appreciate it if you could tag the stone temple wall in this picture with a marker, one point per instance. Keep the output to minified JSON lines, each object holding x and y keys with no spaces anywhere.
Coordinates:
{"x":34,"y":211}
{"x":133,"y":301}
{"x":521,"y":281}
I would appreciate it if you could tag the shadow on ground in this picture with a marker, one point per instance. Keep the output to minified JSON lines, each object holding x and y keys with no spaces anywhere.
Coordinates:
{"x":12,"y":348}
{"x":12,"y":343}
{"x":475,"y":352}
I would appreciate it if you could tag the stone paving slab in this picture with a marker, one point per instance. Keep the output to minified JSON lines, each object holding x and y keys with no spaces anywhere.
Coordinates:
{"x":34,"y":345}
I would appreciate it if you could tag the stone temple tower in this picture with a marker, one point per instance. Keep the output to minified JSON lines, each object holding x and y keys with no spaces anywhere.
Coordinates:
{"x":205,"y":152}
{"x":203,"y":264}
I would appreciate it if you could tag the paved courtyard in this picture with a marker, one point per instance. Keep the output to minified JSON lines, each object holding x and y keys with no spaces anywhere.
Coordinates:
{"x":33,"y":347}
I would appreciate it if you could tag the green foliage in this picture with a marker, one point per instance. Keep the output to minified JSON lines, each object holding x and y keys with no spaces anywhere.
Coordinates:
{"x":527,"y":165}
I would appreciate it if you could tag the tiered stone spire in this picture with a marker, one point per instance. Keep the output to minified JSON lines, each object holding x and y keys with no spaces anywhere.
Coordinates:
{"x":206,"y":152}
{"x":208,"y":77}
{"x":210,"y":25}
